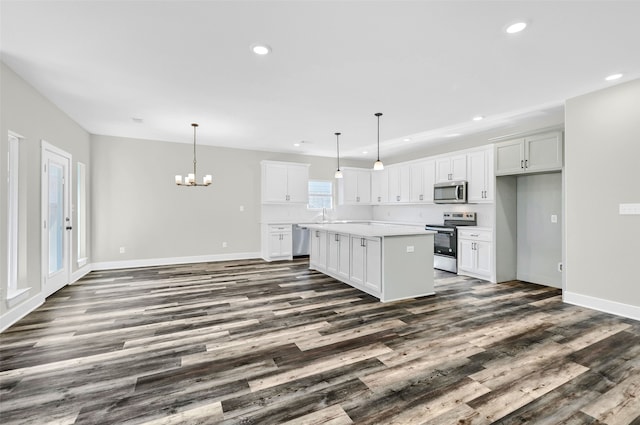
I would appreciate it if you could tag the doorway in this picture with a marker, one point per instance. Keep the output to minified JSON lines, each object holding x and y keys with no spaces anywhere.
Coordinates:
{"x":56,"y":218}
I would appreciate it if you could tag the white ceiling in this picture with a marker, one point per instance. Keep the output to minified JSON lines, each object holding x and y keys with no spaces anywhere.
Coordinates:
{"x":429,"y":66}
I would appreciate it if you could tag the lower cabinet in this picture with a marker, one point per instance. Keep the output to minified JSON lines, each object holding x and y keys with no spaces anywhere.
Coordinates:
{"x":318,"y":250}
{"x":338,"y":254}
{"x":279,"y":244}
{"x":475,"y":252}
{"x":366,"y":260}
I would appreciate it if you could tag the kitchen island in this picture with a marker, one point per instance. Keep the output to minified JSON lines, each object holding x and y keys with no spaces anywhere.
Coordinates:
{"x":390,"y":262}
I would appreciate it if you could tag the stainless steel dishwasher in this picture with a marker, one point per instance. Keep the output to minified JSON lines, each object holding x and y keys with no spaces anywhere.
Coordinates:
{"x":300,"y":240}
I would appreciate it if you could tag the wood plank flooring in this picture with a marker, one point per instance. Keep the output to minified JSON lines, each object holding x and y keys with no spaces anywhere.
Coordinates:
{"x":250,"y":342}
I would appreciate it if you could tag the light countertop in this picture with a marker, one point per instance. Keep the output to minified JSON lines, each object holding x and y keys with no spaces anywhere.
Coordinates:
{"x":371,"y":230}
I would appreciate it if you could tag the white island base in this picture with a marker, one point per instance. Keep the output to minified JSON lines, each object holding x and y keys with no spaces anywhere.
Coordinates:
{"x":390,"y":262}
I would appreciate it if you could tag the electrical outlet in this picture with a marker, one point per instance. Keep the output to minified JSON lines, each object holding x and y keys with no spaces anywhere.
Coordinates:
{"x":224,"y":244}
{"x":554,"y":218}
{"x":410,"y":248}
{"x":241,"y":208}
{"x":123,"y":250}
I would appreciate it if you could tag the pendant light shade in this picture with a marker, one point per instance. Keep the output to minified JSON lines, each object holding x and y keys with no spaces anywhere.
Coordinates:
{"x":190,"y":178}
{"x":378,"y":165}
{"x":338,"y":174}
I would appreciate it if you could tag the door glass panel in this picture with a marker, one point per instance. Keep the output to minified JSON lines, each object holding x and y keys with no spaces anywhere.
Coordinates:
{"x":56,"y":217}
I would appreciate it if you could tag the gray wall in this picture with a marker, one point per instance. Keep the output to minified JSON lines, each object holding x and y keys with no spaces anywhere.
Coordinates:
{"x":26,"y":112}
{"x":602,"y":170}
{"x":539,"y":243}
{"x":136,"y":204}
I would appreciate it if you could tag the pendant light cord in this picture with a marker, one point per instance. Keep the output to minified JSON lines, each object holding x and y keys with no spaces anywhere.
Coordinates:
{"x":338,"y":148}
{"x":194,"y":148}
{"x":378,"y":114}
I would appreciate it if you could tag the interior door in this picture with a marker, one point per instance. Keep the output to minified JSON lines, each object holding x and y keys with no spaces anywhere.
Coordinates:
{"x":56,"y":218}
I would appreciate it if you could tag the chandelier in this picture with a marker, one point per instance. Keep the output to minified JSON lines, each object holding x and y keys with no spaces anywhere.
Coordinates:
{"x":190,"y":178}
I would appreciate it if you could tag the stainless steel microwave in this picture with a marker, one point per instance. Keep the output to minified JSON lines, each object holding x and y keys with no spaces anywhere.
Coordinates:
{"x":450,"y":192}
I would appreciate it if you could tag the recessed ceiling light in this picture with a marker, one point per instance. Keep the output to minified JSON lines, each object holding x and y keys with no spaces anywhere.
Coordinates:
{"x":406,"y":140}
{"x":516,"y":27}
{"x":365,"y":152}
{"x":478,"y":118}
{"x":613,"y":77}
{"x":296,"y":144}
{"x":261,"y":49}
{"x":453,"y":135}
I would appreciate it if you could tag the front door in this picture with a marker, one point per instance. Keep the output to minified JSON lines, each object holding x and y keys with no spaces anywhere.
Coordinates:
{"x":56,"y":218}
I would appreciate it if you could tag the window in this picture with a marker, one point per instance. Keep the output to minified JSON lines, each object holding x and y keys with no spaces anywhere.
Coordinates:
{"x":320,"y":194}
{"x":12,"y":215}
{"x":82,"y":214}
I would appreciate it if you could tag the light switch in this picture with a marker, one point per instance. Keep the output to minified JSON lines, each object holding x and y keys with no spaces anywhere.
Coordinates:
{"x":629,"y":209}
{"x":554,"y":218}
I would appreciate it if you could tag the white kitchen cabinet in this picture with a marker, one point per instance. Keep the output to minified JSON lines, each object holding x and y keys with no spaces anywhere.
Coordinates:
{"x":451,"y":168}
{"x":423,"y":177}
{"x":355,"y":187}
{"x":285,"y":183}
{"x":279,"y":244}
{"x":366,"y":260}
{"x":318,"y":250}
{"x":338,"y":254}
{"x":475,"y":252}
{"x":532,"y":154}
{"x":399,"y":183}
{"x":480,"y":175}
{"x":380,"y":186}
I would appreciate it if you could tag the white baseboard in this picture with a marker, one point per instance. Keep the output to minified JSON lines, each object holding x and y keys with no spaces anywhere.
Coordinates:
{"x":110,"y":265}
{"x":17,"y":313}
{"x":606,"y":306}
{"x":80,"y":273}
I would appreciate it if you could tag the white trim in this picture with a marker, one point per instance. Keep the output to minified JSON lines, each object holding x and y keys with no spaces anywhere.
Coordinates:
{"x":49,"y":284}
{"x":80,"y":273}
{"x":109,"y":265}
{"x":606,"y":306}
{"x":13,"y":315}
{"x":16,"y":296}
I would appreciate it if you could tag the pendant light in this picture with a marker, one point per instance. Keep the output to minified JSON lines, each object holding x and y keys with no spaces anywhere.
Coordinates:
{"x":378,"y":165}
{"x":338,"y":174}
{"x":190,"y":178}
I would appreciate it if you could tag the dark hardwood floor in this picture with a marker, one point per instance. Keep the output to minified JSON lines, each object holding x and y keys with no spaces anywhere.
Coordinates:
{"x":250,"y":342}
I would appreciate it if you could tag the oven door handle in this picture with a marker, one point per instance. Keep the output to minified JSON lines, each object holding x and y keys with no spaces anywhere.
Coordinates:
{"x":440,"y":230}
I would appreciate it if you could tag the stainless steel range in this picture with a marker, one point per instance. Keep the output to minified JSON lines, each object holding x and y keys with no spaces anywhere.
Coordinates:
{"x":445,"y":250}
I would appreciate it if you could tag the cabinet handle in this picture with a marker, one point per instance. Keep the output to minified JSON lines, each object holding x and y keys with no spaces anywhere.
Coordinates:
{"x":317,"y":233}
{"x":357,"y":199}
{"x":422,"y":197}
{"x":526,"y":163}
{"x":398,"y":198}
{"x":522,"y":164}
{"x":379,"y":198}
{"x":337,"y":237}
{"x":362,"y":242}
{"x":474,"y":234}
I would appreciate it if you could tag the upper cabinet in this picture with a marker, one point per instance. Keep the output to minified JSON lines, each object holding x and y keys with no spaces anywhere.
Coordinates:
{"x":285,"y":182}
{"x":480,"y":176}
{"x":451,"y":168}
{"x":380,"y":186}
{"x":533,"y":154}
{"x":399,"y":183}
{"x":423,"y":177}
{"x":355,"y":187}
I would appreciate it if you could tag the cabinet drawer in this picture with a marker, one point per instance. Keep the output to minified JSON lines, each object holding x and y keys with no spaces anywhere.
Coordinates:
{"x":474,"y":234}
{"x":280,"y":228}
